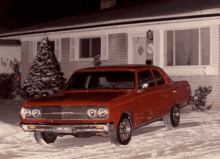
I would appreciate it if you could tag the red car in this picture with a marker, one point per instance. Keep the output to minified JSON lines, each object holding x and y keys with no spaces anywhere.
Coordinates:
{"x":108,"y":101}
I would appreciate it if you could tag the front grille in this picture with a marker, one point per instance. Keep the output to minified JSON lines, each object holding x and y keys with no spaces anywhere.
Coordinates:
{"x":65,"y":113}
{"x":51,"y":112}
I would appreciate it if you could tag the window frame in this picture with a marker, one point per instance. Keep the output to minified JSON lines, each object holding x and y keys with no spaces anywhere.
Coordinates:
{"x":78,"y":47}
{"x":156,"y":83}
{"x":145,"y":70}
{"x":191,"y":70}
{"x":199,"y":53}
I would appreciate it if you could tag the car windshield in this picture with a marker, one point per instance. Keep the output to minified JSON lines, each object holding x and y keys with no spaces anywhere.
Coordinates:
{"x":101,"y":80}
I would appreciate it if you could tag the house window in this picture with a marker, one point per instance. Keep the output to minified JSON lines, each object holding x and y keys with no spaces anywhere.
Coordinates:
{"x":187,"y":47}
{"x":89,"y":47}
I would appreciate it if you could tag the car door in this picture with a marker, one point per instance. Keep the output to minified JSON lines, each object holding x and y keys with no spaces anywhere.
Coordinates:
{"x":165,"y":90}
{"x":151,"y":97}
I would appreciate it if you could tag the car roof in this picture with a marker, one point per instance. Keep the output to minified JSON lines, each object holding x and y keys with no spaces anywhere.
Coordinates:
{"x":116,"y":67}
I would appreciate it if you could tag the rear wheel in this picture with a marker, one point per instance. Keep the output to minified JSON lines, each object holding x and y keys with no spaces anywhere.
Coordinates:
{"x":122,"y":134}
{"x":45,"y":137}
{"x":172,"y":119}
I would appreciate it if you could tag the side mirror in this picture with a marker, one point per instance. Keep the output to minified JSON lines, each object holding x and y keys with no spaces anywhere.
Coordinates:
{"x":146,"y":85}
{"x":143,"y":87}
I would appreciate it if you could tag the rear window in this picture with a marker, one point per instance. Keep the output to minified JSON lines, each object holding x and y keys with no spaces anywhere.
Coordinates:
{"x":159,"y":79}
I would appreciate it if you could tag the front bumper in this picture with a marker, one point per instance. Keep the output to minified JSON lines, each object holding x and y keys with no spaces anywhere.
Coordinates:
{"x":68,"y":129}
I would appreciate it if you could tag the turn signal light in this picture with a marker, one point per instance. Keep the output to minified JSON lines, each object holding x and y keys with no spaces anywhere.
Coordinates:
{"x":99,"y":127}
{"x":31,"y":127}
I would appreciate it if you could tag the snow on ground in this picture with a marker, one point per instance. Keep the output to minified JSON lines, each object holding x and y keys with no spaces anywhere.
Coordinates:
{"x":8,"y":129}
{"x":197,"y":137}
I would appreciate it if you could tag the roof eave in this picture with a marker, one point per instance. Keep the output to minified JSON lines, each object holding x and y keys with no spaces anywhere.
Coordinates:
{"x":193,"y":15}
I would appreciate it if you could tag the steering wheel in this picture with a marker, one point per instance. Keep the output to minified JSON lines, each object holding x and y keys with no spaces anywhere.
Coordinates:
{"x":121,"y":83}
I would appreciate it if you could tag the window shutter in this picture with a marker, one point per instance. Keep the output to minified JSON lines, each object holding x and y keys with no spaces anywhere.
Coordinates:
{"x":104,"y":47}
{"x":31,"y":49}
{"x":73,"y":49}
{"x":57,"y":49}
{"x":214,"y":35}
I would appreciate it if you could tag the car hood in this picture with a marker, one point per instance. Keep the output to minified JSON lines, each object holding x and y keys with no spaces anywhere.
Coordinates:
{"x":79,"y":98}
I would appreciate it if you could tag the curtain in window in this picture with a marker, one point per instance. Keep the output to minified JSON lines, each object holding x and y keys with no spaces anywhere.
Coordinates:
{"x":182,"y":47}
{"x":187,"y":44}
{"x":205,"y":46}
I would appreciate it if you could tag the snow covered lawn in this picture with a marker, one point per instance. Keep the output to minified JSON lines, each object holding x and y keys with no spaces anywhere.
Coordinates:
{"x":197,"y":137}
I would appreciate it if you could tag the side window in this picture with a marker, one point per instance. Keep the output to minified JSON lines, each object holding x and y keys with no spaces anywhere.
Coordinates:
{"x":159,"y":79}
{"x":147,"y":78}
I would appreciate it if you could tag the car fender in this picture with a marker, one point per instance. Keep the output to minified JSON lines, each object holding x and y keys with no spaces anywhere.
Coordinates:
{"x":171,"y":104}
{"x":118,"y":117}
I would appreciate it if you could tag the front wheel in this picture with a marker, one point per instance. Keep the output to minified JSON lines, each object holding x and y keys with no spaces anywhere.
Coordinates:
{"x":43,"y":138}
{"x":172,"y":119}
{"x":122,"y":134}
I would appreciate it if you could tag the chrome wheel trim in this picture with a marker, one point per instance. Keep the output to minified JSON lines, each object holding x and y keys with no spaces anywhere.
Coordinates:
{"x":124,"y":129}
{"x":176,"y":114}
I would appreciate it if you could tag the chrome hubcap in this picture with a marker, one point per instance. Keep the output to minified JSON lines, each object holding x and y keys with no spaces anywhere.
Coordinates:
{"x":176,"y":114}
{"x":124,"y":129}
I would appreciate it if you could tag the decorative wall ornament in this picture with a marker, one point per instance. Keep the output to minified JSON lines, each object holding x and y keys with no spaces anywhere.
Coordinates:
{"x":150,"y":35}
{"x":140,"y":50}
{"x":136,"y":39}
{"x":150,"y":48}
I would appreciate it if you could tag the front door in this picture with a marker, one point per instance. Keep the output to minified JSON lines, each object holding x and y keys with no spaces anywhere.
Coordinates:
{"x":139,"y":50}
{"x":151,"y":96}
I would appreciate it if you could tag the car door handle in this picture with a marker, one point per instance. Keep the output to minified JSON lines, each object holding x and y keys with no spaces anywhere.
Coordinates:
{"x":175,"y":92}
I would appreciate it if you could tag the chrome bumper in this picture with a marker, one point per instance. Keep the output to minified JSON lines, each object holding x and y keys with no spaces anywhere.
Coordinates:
{"x":70,"y":129}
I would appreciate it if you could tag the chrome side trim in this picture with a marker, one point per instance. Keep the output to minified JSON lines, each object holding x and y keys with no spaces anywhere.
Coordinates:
{"x":146,"y":123}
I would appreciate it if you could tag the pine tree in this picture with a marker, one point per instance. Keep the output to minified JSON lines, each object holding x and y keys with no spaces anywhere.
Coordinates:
{"x":44,"y":77}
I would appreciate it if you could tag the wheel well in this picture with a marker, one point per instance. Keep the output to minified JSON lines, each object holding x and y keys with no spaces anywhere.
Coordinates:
{"x":128,"y":112}
{"x":177,"y":104}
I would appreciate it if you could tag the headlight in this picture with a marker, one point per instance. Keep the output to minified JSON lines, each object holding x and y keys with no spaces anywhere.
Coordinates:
{"x":36,"y":113}
{"x":98,"y":112}
{"x":102,"y":112}
{"x":92,"y":112}
{"x":25,"y":112}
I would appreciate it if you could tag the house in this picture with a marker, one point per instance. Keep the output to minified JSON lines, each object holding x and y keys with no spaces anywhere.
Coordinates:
{"x":182,"y":37}
{"x":9,"y":49}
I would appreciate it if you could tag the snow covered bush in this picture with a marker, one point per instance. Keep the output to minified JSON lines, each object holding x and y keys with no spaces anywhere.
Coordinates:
{"x":16,"y":91}
{"x":198,"y":100}
{"x":44,"y":77}
{"x":97,"y":62}
{"x":10,"y":82}
{"x":6,"y":84}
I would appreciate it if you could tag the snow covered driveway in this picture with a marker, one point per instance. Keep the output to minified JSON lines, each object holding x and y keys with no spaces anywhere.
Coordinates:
{"x":195,"y":138}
